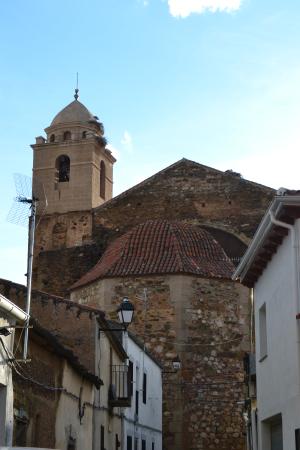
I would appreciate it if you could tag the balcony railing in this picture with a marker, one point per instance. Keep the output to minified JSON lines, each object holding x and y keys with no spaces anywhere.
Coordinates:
{"x":119,"y":393}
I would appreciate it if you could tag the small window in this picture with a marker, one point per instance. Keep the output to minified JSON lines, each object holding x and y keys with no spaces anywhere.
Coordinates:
{"x":143,"y":444}
{"x":67,"y":136}
{"x":297,"y":437}
{"x":71,"y":444}
{"x":153,"y":446}
{"x":102,"y":179}
{"x":84,"y":135}
{"x":263,"y":344}
{"x":145,"y":388}
{"x":62,"y":165}
{"x":52,"y":138}
{"x":129,"y":443}
{"x":137,"y":402}
{"x":102,"y":438}
{"x":130,"y":379}
{"x":118,"y":443}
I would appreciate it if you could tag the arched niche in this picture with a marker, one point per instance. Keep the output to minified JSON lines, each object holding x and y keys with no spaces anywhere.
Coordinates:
{"x":232,"y":245}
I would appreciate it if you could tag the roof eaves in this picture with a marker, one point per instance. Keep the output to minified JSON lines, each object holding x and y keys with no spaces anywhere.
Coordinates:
{"x":264,"y":229}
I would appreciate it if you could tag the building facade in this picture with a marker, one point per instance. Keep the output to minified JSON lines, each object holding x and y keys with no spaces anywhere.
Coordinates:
{"x":271,"y":268}
{"x":10,"y":315}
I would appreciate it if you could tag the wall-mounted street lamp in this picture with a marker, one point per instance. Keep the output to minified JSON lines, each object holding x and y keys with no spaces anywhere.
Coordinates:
{"x":125,"y":312}
{"x":176,"y":365}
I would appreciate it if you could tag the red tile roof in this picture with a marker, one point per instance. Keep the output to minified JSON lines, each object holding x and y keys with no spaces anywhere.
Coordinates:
{"x":160,"y":247}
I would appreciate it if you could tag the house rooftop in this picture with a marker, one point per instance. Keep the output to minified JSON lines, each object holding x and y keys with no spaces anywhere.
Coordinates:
{"x":285,"y":207}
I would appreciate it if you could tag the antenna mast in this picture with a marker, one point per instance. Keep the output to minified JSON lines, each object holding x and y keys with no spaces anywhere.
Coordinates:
{"x":29,"y":270}
{"x":27,"y":196}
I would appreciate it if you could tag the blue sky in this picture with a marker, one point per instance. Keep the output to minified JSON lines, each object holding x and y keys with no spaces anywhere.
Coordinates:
{"x":215,"y":81}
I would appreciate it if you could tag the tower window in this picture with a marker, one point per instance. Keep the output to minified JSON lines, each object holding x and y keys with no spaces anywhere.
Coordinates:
{"x":84,"y":135}
{"x":52,"y":138}
{"x":63,"y":168}
{"x":102,"y":179}
{"x":67,"y":136}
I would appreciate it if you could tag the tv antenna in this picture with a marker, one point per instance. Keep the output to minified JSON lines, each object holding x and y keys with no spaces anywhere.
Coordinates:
{"x":23,"y":212}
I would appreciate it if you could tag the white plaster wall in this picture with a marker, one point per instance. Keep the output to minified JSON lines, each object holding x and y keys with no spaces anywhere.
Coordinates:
{"x":109,"y":419}
{"x":148,"y":425}
{"x":278,"y":374}
{"x":6,"y":387}
{"x":67,"y":417}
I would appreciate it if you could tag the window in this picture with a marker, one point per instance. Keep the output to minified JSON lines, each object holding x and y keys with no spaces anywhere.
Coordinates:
{"x":263,"y":345}
{"x":102,"y":438}
{"x":62,"y":165}
{"x":143,"y":444}
{"x":118,"y":443}
{"x":137,"y":378}
{"x":137,"y":402}
{"x":145,"y":388}
{"x":130,"y":379}
{"x":129,"y":443}
{"x":84,"y":135}
{"x":67,"y":135}
{"x":52,"y":138}
{"x":297,"y":437}
{"x":71,"y":444}
{"x":21,"y":423}
{"x":153,"y":446}
{"x":276,"y":435}
{"x":3,"y":394}
{"x":102,"y":179}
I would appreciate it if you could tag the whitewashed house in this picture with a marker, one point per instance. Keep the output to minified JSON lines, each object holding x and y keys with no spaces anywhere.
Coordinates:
{"x":142,"y":421}
{"x":271,"y":266}
{"x":10,"y":314}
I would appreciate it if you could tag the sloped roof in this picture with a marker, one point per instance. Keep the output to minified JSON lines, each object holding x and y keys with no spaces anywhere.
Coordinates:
{"x":161,"y":247}
{"x":183,"y":162}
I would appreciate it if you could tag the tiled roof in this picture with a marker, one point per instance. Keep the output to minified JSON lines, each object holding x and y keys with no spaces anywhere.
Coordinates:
{"x":161,"y":247}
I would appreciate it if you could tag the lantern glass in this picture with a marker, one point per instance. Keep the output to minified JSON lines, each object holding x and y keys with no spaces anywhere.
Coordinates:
{"x":125,"y":312}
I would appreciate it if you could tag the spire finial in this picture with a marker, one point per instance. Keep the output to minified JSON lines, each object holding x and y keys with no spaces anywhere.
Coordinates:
{"x":76,"y":90}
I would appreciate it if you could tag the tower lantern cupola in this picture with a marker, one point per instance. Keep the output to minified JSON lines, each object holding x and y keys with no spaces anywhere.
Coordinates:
{"x":73,"y":163}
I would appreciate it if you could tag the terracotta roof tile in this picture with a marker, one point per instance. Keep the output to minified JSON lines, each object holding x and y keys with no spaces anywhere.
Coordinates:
{"x":161,"y":247}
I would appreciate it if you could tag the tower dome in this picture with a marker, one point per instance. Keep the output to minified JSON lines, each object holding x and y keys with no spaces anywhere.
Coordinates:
{"x":159,"y":247}
{"x":74,"y":112}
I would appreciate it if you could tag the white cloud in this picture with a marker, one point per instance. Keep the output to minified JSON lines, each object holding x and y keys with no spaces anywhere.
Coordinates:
{"x":183,"y":8}
{"x":126,"y":141}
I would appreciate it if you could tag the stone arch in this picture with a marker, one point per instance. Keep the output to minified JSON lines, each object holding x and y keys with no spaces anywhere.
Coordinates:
{"x":59,"y":235}
{"x":62,"y":165}
{"x":102,"y":179}
{"x":233,"y":246}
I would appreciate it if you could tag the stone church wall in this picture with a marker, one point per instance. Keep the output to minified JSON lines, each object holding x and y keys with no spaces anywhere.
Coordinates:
{"x":206,"y":323}
{"x":186,"y":191}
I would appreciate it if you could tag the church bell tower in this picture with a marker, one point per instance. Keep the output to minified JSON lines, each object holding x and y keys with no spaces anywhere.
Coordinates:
{"x":75,"y":170}
{"x":72,"y":163}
